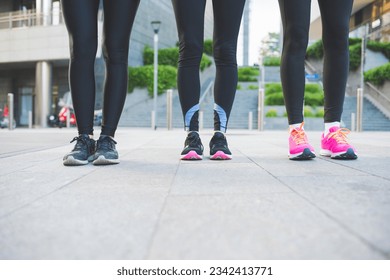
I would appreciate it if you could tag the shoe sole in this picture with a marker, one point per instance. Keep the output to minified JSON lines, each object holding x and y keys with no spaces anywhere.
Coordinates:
{"x":305,"y":155}
{"x":191,"y":155}
{"x":220,"y":156}
{"x":71,"y":161}
{"x":349,"y":154}
{"x":101,"y":160}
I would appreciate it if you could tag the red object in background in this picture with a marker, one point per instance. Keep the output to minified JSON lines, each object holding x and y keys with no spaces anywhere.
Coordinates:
{"x":5,"y":111}
{"x":62,"y":115}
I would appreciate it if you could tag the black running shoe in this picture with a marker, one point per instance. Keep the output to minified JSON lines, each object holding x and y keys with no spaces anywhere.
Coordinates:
{"x":82,"y":152}
{"x":193,"y":148}
{"x":105,"y":151}
{"x":219,"y":148}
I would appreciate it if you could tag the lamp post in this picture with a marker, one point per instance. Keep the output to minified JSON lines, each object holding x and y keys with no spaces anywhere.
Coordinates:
{"x":156,"y":28}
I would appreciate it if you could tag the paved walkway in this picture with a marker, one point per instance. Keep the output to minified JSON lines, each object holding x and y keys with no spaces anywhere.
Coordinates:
{"x":260,"y":205}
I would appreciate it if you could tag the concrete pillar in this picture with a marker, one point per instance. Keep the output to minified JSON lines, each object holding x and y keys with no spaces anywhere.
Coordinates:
{"x":44,"y":8}
{"x":43,"y":92}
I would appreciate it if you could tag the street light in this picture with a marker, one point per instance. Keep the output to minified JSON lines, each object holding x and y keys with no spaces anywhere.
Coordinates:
{"x":156,"y":28}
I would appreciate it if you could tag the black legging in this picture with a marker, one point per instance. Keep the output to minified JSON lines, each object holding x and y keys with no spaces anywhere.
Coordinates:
{"x":335,"y":21}
{"x":81,"y":21}
{"x":190,"y":26}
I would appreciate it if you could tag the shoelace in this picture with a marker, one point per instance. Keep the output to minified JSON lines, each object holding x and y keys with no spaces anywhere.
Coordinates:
{"x":219,"y":141}
{"x":298,"y":135}
{"x":193,"y":140}
{"x":340,"y":135}
{"x":107,"y":143}
{"x":80,"y":140}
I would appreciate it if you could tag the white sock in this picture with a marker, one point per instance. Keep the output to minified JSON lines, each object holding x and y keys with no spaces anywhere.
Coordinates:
{"x":295,"y":125}
{"x":189,"y":131}
{"x":329,"y":125}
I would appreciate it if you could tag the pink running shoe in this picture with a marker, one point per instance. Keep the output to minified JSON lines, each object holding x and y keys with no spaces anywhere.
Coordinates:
{"x":300,"y":149}
{"x":336,"y":145}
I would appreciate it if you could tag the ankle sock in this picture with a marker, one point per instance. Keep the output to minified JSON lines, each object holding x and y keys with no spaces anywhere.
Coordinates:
{"x":329,"y":125}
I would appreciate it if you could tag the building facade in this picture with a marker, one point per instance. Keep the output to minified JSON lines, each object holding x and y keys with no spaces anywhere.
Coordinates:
{"x":34,"y":52}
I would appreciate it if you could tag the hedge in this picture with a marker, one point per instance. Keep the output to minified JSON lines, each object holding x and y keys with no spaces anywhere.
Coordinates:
{"x":143,"y":77}
{"x":355,"y":56}
{"x":208,"y":47}
{"x":379,"y":47}
{"x":378,"y":75}
{"x":248,"y":74}
{"x":271,"y":61}
{"x":314,"y":95}
{"x":170,"y":56}
{"x":315,"y":51}
{"x":272,"y":113}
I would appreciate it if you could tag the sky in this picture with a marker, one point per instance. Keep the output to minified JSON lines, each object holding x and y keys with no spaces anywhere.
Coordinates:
{"x":265,"y":18}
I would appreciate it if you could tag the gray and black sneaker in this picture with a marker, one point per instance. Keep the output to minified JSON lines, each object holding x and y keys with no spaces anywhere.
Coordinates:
{"x":219,"y":148}
{"x":82,"y":152}
{"x":193,"y":148}
{"x":105,"y":151}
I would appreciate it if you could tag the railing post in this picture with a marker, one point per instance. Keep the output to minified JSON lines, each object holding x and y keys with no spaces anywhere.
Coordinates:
{"x":30,"y":119}
{"x":169,"y":108}
{"x":153,"y":113}
{"x":250,"y":120}
{"x":10,"y":111}
{"x":260,"y":110}
{"x":353,"y":122}
{"x":359,"y":110}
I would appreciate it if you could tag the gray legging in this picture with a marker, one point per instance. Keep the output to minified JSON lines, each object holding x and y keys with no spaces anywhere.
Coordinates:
{"x":296,"y":20}
{"x":81,"y":21}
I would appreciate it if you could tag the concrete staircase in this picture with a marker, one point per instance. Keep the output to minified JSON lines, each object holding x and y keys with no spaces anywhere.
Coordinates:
{"x":373,"y":119}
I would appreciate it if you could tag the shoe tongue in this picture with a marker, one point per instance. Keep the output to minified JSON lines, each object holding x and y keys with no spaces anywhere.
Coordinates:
{"x":334,"y":129}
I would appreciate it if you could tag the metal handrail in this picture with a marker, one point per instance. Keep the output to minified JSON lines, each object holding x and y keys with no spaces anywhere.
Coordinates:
{"x":381,"y":94}
{"x":28,"y":18}
{"x":206,"y":92}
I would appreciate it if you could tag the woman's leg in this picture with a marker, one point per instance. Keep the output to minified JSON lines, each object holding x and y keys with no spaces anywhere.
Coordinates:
{"x":118,"y":21}
{"x":335,"y":21}
{"x":190,"y":26}
{"x":81,"y":22}
{"x":227,"y":20}
{"x":296,"y":20}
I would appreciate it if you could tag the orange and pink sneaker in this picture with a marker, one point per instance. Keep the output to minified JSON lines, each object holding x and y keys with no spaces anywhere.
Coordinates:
{"x":336,"y":145}
{"x":299,"y":147}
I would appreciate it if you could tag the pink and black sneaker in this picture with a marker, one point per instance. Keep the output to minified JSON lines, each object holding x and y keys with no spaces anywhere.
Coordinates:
{"x":299,"y":147}
{"x":219,"y":149}
{"x":336,"y":145}
{"x":193,"y":148}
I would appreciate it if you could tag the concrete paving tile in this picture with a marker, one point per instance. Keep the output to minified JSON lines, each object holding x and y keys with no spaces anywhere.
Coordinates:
{"x":224,"y":177}
{"x":272,"y":226}
{"x":22,"y":187}
{"x":360,"y":203}
{"x":84,"y":221}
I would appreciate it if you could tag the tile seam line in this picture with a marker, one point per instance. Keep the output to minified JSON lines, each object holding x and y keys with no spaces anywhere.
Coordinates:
{"x":343,"y":226}
{"x":157,"y":224}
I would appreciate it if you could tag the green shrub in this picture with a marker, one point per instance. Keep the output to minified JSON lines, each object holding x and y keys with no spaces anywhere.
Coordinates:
{"x":275,"y":98}
{"x":143,"y":77}
{"x":308,"y":112}
{"x":320,"y":113}
{"x":272,"y":113}
{"x":271,"y":61}
{"x":248,"y":74}
{"x":253,"y":87}
{"x":378,"y":75}
{"x":379,"y":47}
{"x":208,"y":47}
{"x":355,"y":55}
{"x":239,"y":87}
{"x":314,"y":88}
{"x":169,"y":56}
{"x":205,"y":62}
{"x":314,"y":99}
{"x":273,"y":88}
{"x":315,"y":51}
{"x":354,"y":41}
{"x":285,"y":114}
